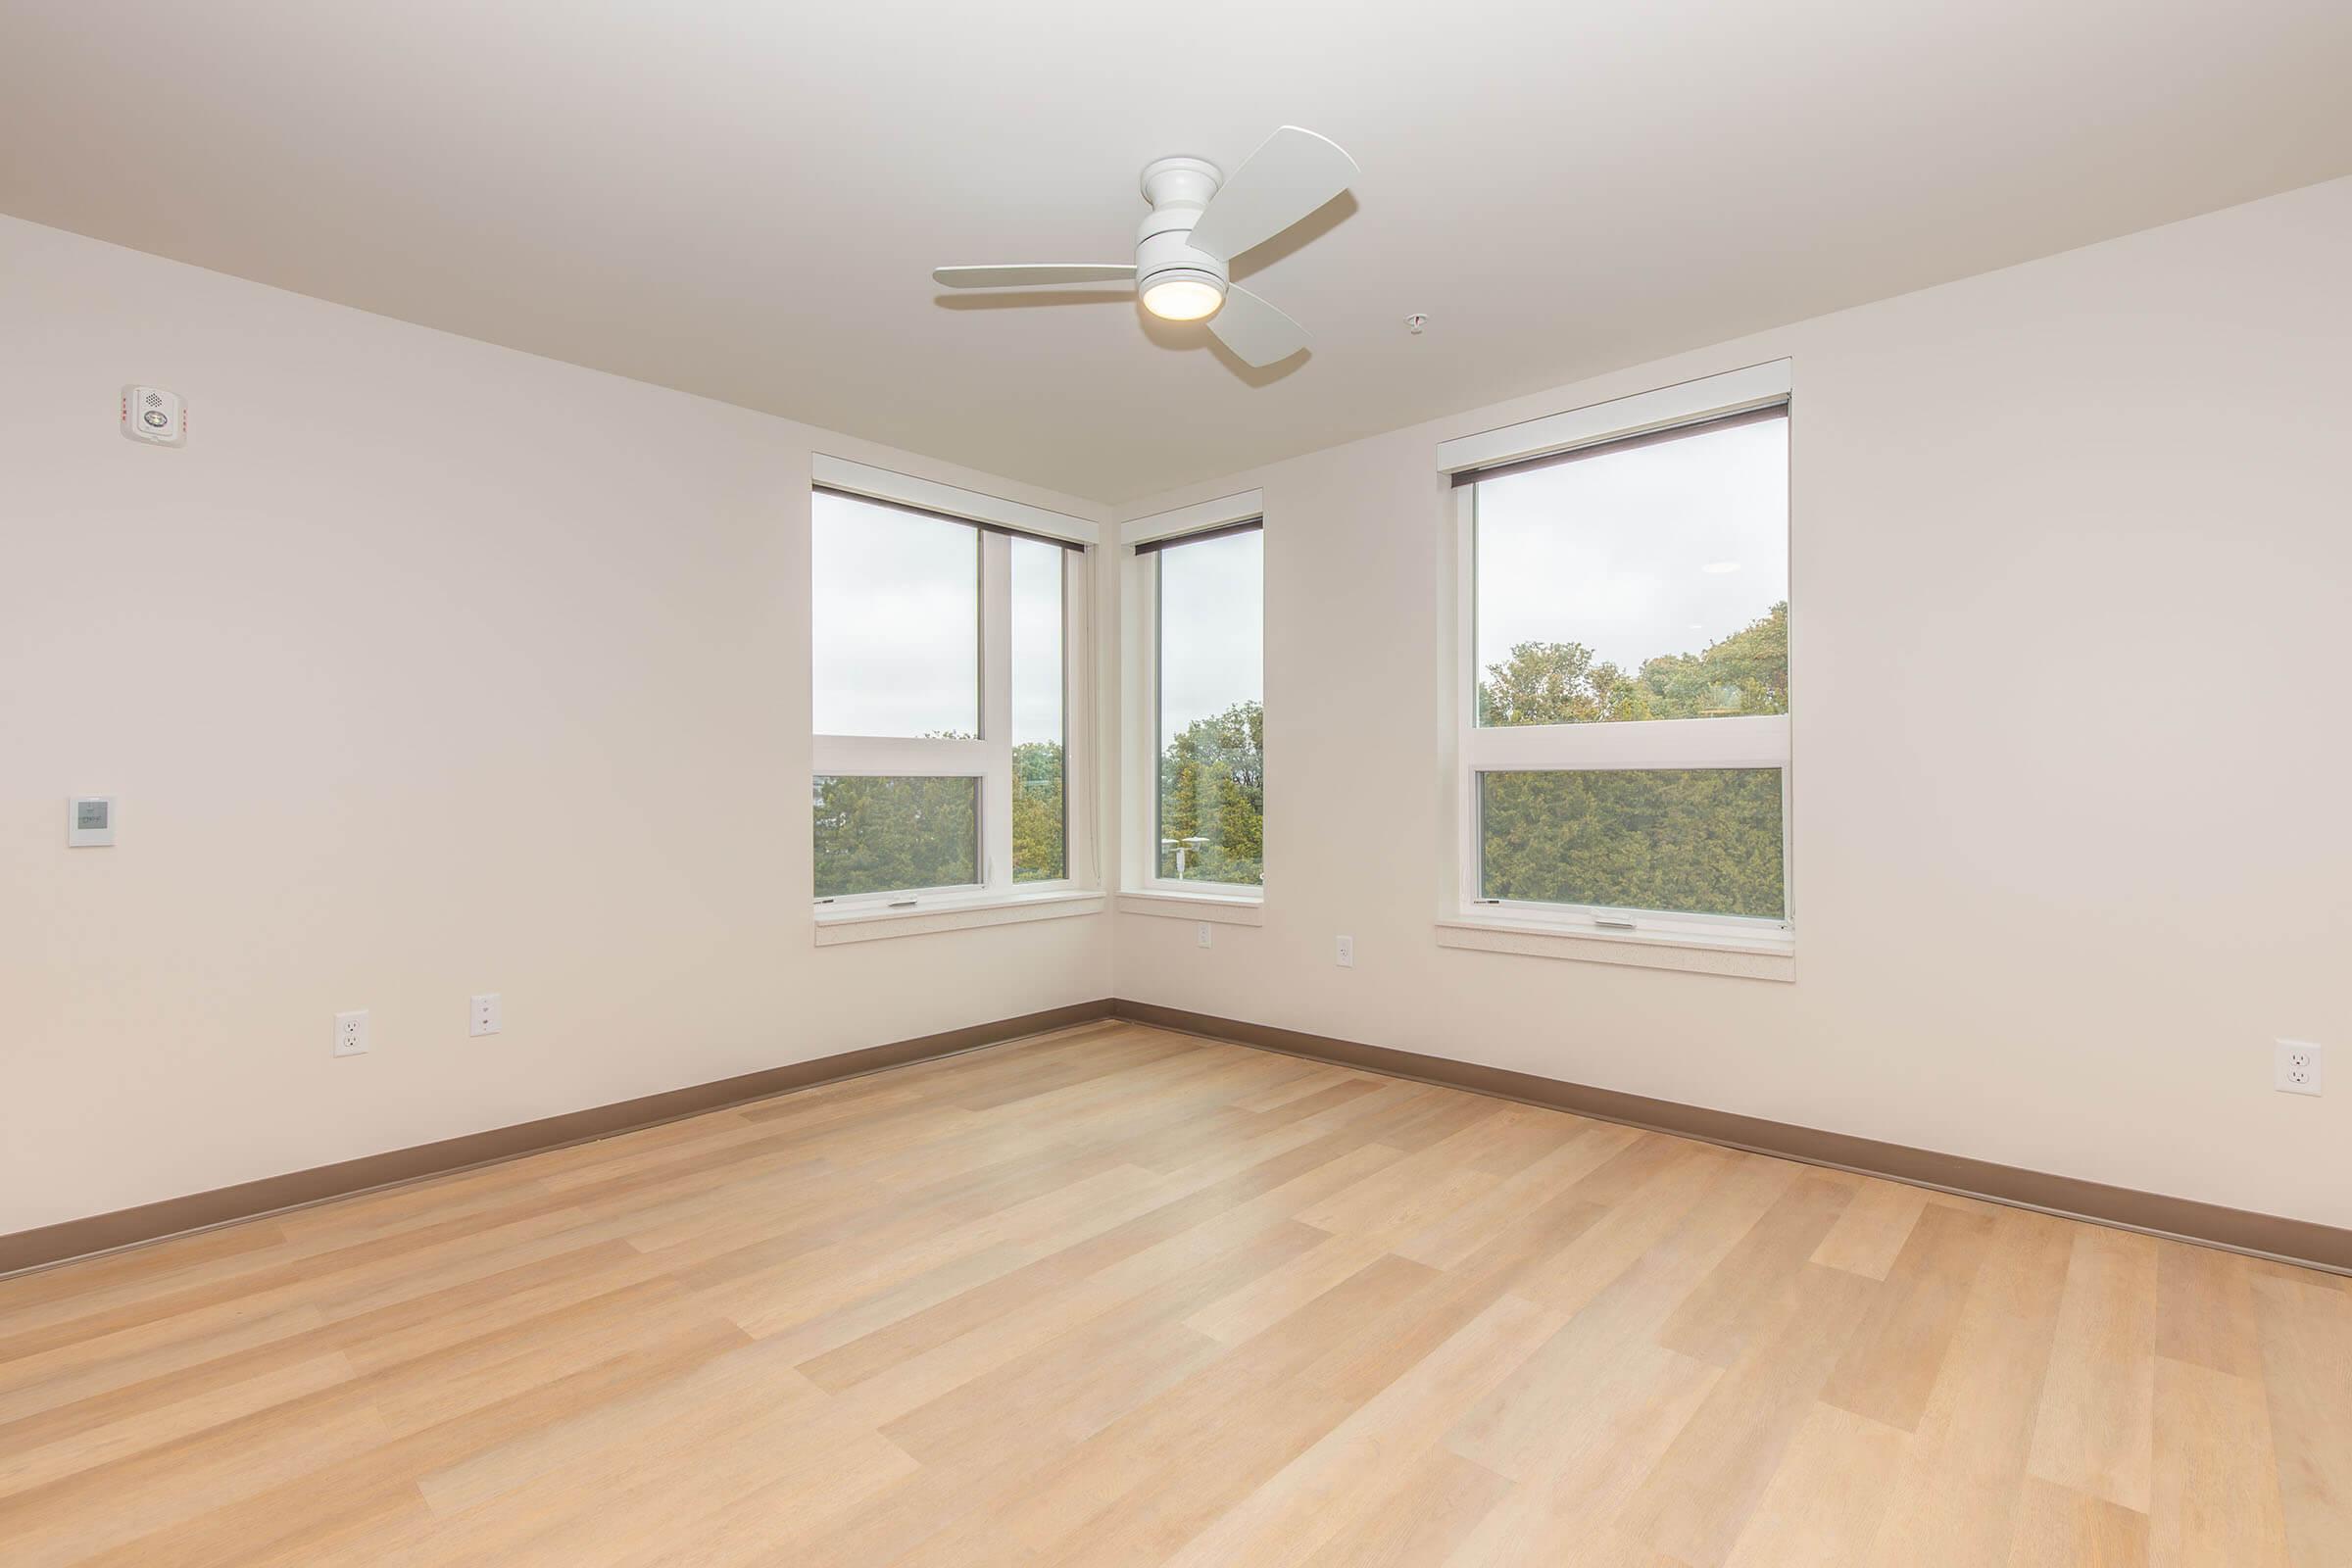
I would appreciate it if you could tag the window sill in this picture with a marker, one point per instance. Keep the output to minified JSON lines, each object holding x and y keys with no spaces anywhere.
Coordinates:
{"x":1743,"y":957}
{"x":837,"y":926}
{"x":1217,"y":909}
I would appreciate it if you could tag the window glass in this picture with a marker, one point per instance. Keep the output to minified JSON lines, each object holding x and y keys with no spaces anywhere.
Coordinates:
{"x":1698,"y":841}
{"x":895,"y":604}
{"x":879,"y":835}
{"x":1040,"y":826}
{"x":1211,"y":786}
{"x":1645,"y":582}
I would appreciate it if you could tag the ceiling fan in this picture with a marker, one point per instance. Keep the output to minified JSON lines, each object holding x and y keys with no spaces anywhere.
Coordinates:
{"x":1199,"y":222}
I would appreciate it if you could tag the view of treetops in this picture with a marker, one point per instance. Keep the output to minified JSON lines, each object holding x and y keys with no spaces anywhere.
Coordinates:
{"x":1697,"y":840}
{"x":1703,"y":840}
{"x":881,"y":835}
{"x":1212,"y":799}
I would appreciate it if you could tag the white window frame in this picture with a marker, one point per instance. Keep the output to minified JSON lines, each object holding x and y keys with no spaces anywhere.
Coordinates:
{"x":989,"y":759}
{"x":1646,"y":937}
{"x":1143,"y":890}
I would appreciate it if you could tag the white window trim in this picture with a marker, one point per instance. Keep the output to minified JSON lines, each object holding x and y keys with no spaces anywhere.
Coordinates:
{"x":1709,"y":397}
{"x":882,"y":484}
{"x":1142,"y":890}
{"x":1217,"y":909}
{"x":948,"y":913}
{"x":1240,"y":507}
{"x":1649,"y":939}
{"x":914,"y":911}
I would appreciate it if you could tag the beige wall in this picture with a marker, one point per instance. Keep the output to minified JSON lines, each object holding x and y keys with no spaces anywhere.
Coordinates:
{"x":2073,"y":556}
{"x":428,"y":667}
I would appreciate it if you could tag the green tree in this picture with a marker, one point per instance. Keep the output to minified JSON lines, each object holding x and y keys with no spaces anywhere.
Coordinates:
{"x":876,"y":835}
{"x":1561,"y":683}
{"x":1040,"y":823}
{"x":1702,"y":840}
{"x":1212,"y":784}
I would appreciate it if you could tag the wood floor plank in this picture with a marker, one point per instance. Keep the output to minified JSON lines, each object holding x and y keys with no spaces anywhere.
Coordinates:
{"x":1117,"y":1295}
{"x":1694,"y":1505}
{"x":1890,"y":1369}
{"x":2058,"y":1527}
{"x":1821,"y":1508}
{"x":1870,"y":1235}
{"x":1954,"y":1497}
{"x":2094,"y":1432}
{"x":2205,"y":1309}
{"x":2214,"y":1484}
{"x":2305,"y":1327}
{"x":1355,"y":1466}
{"x":1716,"y":1320}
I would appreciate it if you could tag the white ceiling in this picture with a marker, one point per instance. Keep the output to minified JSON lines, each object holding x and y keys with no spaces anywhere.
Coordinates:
{"x":745,"y":200}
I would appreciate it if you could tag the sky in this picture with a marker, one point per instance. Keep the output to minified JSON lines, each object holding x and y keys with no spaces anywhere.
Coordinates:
{"x":1211,"y":628}
{"x":1655,"y":549}
{"x":1661,"y":549}
{"x":896,"y":645}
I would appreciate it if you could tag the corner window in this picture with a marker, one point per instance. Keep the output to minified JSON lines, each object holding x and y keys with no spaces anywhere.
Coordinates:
{"x":1207,"y":805}
{"x":1626,"y":746}
{"x":940,"y":697}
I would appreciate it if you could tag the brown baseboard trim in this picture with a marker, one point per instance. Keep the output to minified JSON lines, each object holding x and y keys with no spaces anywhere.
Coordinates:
{"x":2238,"y":1230}
{"x":271,"y":1195}
{"x":2288,"y":1241}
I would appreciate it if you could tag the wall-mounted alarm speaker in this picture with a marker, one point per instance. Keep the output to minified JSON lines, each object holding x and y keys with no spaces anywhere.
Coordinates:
{"x":154,"y":416}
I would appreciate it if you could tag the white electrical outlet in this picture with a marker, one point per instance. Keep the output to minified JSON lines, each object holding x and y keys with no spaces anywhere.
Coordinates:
{"x":485,"y":1014}
{"x":1205,"y":933}
{"x":2299,"y":1067}
{"x":351,"y":1033}
{"x":1346,"y":952}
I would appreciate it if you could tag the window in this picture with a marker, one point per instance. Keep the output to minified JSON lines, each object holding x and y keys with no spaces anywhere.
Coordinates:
{"x":1039,"y":749}
{"x":940,"y":704}
{"x":1625,"y":744}
{"x":1207,"y":767}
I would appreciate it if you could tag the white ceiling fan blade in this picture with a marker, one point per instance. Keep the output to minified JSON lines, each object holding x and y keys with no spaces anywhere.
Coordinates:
{"x":1029,"y":276}
{"x":1256,"y":332}
{"x":1291,"y":175}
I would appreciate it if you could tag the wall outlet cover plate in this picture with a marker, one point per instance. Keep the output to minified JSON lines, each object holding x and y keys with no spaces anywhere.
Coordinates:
{"x":2299,"y":1067}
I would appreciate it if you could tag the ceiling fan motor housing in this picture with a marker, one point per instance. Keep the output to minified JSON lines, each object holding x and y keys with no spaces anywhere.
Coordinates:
{"x":1178,"y":189}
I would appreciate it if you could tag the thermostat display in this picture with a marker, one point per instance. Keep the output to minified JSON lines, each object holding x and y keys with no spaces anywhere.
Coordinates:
{"x":89,"y":822}
{"x":154,"y":416}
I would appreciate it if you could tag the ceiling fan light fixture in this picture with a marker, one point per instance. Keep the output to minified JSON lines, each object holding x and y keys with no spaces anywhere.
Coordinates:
{"x":1199,"y":222}
{"x":1185,"y":296}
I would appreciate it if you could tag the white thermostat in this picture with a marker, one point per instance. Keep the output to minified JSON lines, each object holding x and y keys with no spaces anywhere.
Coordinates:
{"x":89,"y":822}
{"x":154,"y":416}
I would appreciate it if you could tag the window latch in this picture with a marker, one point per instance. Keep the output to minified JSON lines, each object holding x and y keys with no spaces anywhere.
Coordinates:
{"x":1612,"y":925}
{"x":901,"y":904}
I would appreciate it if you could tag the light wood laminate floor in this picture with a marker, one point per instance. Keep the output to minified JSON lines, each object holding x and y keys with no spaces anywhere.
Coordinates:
{"x":1116,"y":1296}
